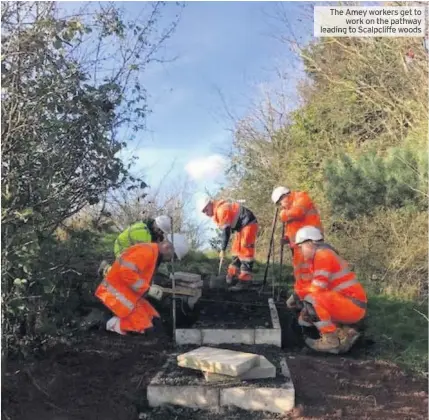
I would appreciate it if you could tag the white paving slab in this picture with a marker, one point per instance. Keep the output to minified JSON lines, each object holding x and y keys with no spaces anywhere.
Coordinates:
{"x":265,"y":369}
{"x":225,"y":362}
{"x":278,"y":398}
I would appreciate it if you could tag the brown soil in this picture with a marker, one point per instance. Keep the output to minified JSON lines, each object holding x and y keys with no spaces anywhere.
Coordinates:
{"x":104,"y":376}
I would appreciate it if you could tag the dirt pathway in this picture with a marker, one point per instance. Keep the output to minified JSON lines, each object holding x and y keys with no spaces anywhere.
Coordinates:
{"x":104,"y":376}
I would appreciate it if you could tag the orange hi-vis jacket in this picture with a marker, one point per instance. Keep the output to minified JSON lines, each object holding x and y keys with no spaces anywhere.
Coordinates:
{"x":229,"y":214}
{"x":332,"y":273}
{"x":128,"y":279}
{"x":298,"y":211}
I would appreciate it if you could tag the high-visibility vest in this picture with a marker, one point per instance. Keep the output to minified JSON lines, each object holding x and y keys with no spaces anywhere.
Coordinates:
{"x":128,"y":279}
{"x":226,"y":213}
{"x":136,"y":233}
{"x":298,"y":211}
{"x":331,"y":272}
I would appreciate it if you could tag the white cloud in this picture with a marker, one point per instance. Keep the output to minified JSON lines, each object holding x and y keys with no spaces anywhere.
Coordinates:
{"x":206,"y":168}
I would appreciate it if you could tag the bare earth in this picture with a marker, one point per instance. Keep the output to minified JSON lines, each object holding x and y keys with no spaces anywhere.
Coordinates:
{"x":104,"y":376}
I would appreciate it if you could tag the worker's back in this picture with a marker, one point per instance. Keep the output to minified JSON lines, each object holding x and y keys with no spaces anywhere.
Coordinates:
{"x":136,"y":233}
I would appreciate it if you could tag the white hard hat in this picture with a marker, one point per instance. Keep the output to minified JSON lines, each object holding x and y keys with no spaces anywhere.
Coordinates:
{"x":308,"y":233}
{"x":278,"y":193}
{"x":164,"y":223}
{"x":180,"y":243}
{"x":202,"y":204}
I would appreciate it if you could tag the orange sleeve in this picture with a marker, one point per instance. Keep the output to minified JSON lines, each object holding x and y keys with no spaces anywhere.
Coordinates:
{"x":283,"y":216}
{"x":224,"y":216}
{"x":298,"y":208}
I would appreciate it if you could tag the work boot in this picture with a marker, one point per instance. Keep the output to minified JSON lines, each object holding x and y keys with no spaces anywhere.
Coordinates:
{"x":348,"y":337}
{"x":103,"y":268}
{"x":231,"y":274}
{"x":240,"y":286}
{"x":328,"y":343}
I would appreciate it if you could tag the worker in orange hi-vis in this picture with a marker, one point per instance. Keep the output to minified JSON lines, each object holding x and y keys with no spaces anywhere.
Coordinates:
{"x":231,"y":216}
{"x":128,"y":283}
{"x":297,"y":210}
{"x":334,"y":299}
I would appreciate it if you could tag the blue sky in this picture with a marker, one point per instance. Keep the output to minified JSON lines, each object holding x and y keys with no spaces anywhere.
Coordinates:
{"x":227,"y":47}
{"x":221,"y":46}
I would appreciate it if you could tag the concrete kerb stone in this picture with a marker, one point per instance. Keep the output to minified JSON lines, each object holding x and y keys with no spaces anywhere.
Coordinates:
{"x":276,"y":400}
{"x":274,"y":314}
{"x":201,"y":336}
{"x":186,"y":336}
{"x":230,"y":336}
{"x":185,"y":396}
{"x":280,"y":399}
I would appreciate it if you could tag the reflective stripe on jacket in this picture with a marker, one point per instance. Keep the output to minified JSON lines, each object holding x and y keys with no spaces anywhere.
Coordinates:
{"x":331,"y":272}
{"x":128,"y":279}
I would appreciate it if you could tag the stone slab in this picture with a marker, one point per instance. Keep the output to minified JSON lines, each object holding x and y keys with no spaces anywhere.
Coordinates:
{"x":187,"y":277}
{"x":186,"y":336}
{"x":191,"y":284}
{"x":187,"y":387}
{"x":186,"y":396}
{"x":275,"y":400}
{"x":274,"y":314}
{"x":265,"y":369}
{"x":268,"y":336}
{"x":225,"y":362}
{"x":231,"y":336}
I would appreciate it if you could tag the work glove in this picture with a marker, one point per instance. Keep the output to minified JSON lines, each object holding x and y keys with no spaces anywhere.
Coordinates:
{"x":222,"y":254}
{"x":155,"y":292}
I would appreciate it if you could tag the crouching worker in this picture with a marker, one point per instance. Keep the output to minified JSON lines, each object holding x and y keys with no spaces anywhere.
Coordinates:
{"x":333,"y":300}
{"x":129,"y":282}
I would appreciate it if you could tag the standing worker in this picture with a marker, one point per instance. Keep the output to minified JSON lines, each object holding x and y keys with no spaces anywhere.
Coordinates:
{"x":333,"y":300}
{"x":297,"y":210}
{"x":129,"y":282}
{"x":146,"y":231}
{"x":231,"y":216}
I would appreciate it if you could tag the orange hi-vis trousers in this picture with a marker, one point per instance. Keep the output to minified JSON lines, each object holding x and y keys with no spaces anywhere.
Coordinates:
{"x":243,"y":252}
{"x":140,"y":319}
{"x":333,"y":308}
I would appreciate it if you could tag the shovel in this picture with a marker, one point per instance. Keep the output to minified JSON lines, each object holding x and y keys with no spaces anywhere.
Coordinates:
{"x":220,"y":266}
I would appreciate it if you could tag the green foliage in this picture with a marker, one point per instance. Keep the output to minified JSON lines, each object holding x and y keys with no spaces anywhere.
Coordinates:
{"x":61,"y":111}
{"x":357,"y":187}
{"x":357,"y":144}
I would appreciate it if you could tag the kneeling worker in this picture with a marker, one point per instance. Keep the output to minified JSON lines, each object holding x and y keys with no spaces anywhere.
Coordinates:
{"x":233,"y":217}
{"x":333,"y":299}
{"x":129,"y":281}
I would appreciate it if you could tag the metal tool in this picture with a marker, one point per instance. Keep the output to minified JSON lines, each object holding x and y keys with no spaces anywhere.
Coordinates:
{"x":220,"y":266}
{"x":270,"y":248}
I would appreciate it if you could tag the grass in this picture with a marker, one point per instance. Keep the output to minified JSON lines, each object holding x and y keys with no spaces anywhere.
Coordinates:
{"x":400,"y":332}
